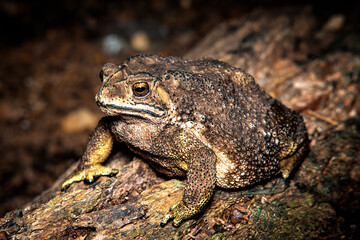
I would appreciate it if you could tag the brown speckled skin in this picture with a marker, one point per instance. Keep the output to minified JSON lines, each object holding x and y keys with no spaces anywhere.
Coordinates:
{"x":202,"y":119}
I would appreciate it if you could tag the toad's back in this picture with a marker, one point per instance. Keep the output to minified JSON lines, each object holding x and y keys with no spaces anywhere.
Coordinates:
{"x":253,"y":135}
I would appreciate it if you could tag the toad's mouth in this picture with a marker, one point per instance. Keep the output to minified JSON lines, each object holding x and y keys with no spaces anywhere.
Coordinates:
{"x":139,"y":110}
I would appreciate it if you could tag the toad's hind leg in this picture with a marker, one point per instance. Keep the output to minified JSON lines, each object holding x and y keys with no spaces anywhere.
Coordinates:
{"x":97,"y":151}
{"x":293,"y":157}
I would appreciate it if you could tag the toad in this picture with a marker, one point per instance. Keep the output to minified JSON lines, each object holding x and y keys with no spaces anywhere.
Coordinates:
{"x":200,"y":119}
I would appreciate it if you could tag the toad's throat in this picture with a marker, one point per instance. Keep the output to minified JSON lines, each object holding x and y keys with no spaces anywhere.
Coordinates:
{"x":134,"y":110}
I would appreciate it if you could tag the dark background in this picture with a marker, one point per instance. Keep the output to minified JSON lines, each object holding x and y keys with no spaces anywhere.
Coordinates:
{"x":51,"y":54}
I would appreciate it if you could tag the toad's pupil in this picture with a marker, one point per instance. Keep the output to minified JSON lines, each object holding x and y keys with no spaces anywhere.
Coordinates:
{"x":140,"y":89}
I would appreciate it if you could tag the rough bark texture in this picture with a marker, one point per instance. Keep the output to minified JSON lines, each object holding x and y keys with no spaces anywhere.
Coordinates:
{"x":311,"y":67}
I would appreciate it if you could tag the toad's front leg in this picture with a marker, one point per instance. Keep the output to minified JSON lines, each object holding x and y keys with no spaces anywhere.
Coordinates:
{"x":97,"y":151}
{"x":201,"y":178}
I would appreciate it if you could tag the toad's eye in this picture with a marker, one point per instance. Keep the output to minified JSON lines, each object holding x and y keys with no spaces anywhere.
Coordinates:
{"x":140,"y":89}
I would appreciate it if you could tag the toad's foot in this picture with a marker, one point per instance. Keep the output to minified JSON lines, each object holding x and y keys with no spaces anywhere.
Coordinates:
{"x":88,"y":173}
{"x":179,"y":212}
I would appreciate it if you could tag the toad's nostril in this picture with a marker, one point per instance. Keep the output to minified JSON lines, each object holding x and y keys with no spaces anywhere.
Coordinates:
{"x":97,"y":99}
